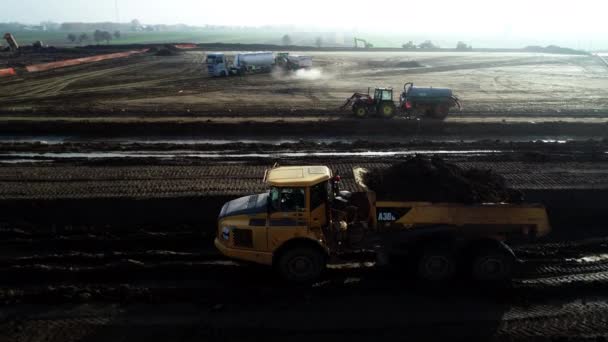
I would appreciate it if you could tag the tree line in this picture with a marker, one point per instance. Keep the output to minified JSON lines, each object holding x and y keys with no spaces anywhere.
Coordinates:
{"x":429,"y":45}
{"x":98,"y":37}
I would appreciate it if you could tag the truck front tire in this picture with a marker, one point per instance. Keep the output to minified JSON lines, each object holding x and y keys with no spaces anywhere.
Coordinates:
{"x":301,"y":264}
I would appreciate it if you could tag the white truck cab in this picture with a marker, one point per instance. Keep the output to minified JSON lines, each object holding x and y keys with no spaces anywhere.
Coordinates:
{"x":217,"y":65}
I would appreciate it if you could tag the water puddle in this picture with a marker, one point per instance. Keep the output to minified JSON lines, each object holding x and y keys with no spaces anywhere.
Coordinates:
{"x":193,"y":140}
{"x":591,"y":258}
{"x":227,"y":155}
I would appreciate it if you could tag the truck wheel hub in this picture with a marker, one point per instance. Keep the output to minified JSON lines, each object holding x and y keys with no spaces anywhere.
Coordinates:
{"x":437,"y":265}
{"x":491,"y":266}
{"x":300,"y":265}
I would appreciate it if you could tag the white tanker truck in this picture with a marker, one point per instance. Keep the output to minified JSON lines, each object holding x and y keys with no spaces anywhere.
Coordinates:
{"x":219,"y":65}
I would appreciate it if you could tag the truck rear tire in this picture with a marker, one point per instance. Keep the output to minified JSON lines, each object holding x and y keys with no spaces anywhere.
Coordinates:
{"x":301,"y":264}
{"x":492,"y":265}
{"x":436,"y":264}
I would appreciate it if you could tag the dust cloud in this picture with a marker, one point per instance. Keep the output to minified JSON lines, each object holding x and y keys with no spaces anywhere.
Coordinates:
{"x":313,"y":74}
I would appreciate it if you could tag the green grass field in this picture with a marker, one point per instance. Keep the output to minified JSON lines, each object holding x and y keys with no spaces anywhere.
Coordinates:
{"x":211,"y":36}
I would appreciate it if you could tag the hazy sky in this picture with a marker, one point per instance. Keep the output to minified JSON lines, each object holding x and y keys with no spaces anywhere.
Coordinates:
{"x":549,"y":19}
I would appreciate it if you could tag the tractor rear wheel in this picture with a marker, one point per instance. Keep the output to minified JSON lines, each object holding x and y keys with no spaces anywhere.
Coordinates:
{"x":360,"y":111}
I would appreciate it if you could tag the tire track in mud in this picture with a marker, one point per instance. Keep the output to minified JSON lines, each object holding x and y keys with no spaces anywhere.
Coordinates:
{"x":39,"y":83}
{"x":133,"y":258}
{"x":552,"y":322}
{"x":546,"y":317}
{"x":53,"y":87}
{"x":471,"y":66}
{"x":56,"y":87}
{"x":221,"y":281}
{"x":246,"y":177}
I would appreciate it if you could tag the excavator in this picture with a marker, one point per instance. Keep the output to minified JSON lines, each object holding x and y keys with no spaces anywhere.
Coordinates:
{"x":364,"y":43}
{"x":12,"y":42}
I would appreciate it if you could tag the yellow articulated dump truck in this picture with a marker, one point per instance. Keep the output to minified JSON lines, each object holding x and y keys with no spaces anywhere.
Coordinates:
{"x":304,"y":219}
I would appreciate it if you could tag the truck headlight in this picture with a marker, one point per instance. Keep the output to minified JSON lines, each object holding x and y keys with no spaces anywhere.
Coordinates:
{"x":226,"y":233}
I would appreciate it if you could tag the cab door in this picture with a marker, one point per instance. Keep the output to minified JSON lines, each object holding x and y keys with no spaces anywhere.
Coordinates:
{"x":288,"y":217}
{"x":319,"y":211}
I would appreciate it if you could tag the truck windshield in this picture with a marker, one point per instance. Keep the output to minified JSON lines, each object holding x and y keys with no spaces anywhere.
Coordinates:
{"x":214,"y":60}
{"x":287,"y":199}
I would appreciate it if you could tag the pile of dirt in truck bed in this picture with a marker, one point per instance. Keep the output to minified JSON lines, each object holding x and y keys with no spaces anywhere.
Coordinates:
{"x":420,"y":178}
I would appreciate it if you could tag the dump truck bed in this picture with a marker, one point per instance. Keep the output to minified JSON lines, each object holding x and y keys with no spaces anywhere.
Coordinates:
{"x":488,"y":218}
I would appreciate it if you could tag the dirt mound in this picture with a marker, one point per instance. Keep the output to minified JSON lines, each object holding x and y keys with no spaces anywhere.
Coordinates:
{"x":393,"y":64}
{"x":409,"y":64}
{"x":421,"y":178}
{"x":168,"y":50}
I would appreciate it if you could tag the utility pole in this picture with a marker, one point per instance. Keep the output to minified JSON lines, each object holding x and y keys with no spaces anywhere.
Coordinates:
{"x":117,"y":12}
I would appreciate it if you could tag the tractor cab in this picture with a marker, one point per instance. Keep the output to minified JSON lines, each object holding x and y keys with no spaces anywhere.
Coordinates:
{"x":383,"y":101}
{"x":383,"y":94}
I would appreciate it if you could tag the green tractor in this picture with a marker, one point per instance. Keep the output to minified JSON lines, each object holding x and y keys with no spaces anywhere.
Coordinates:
{"x":381,"y":104}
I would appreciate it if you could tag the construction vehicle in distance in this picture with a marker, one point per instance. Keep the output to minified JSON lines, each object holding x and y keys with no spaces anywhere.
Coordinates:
{"x":380,"y":104}
{"x":12,"y":42}
{"x":427,"y":102}
{"x":218,"y":64}
{"x":304,"y":219}
{"x":364,"y":43}
{"x":289,"y":62}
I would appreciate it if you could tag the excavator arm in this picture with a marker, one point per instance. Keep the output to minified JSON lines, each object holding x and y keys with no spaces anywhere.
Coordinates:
{"x":12,"y":42}
{"x":364,"y":42}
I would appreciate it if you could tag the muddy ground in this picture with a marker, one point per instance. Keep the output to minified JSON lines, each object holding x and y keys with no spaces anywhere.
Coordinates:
{"x":97,"y":245}
{"x":112,"y":175}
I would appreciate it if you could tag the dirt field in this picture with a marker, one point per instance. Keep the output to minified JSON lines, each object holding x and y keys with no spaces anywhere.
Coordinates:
{"x":487,"y":83}
{"x":112,"y":176}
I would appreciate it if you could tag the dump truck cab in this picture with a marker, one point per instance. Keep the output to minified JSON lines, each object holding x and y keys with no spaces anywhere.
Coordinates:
{"x":289,"y":217}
